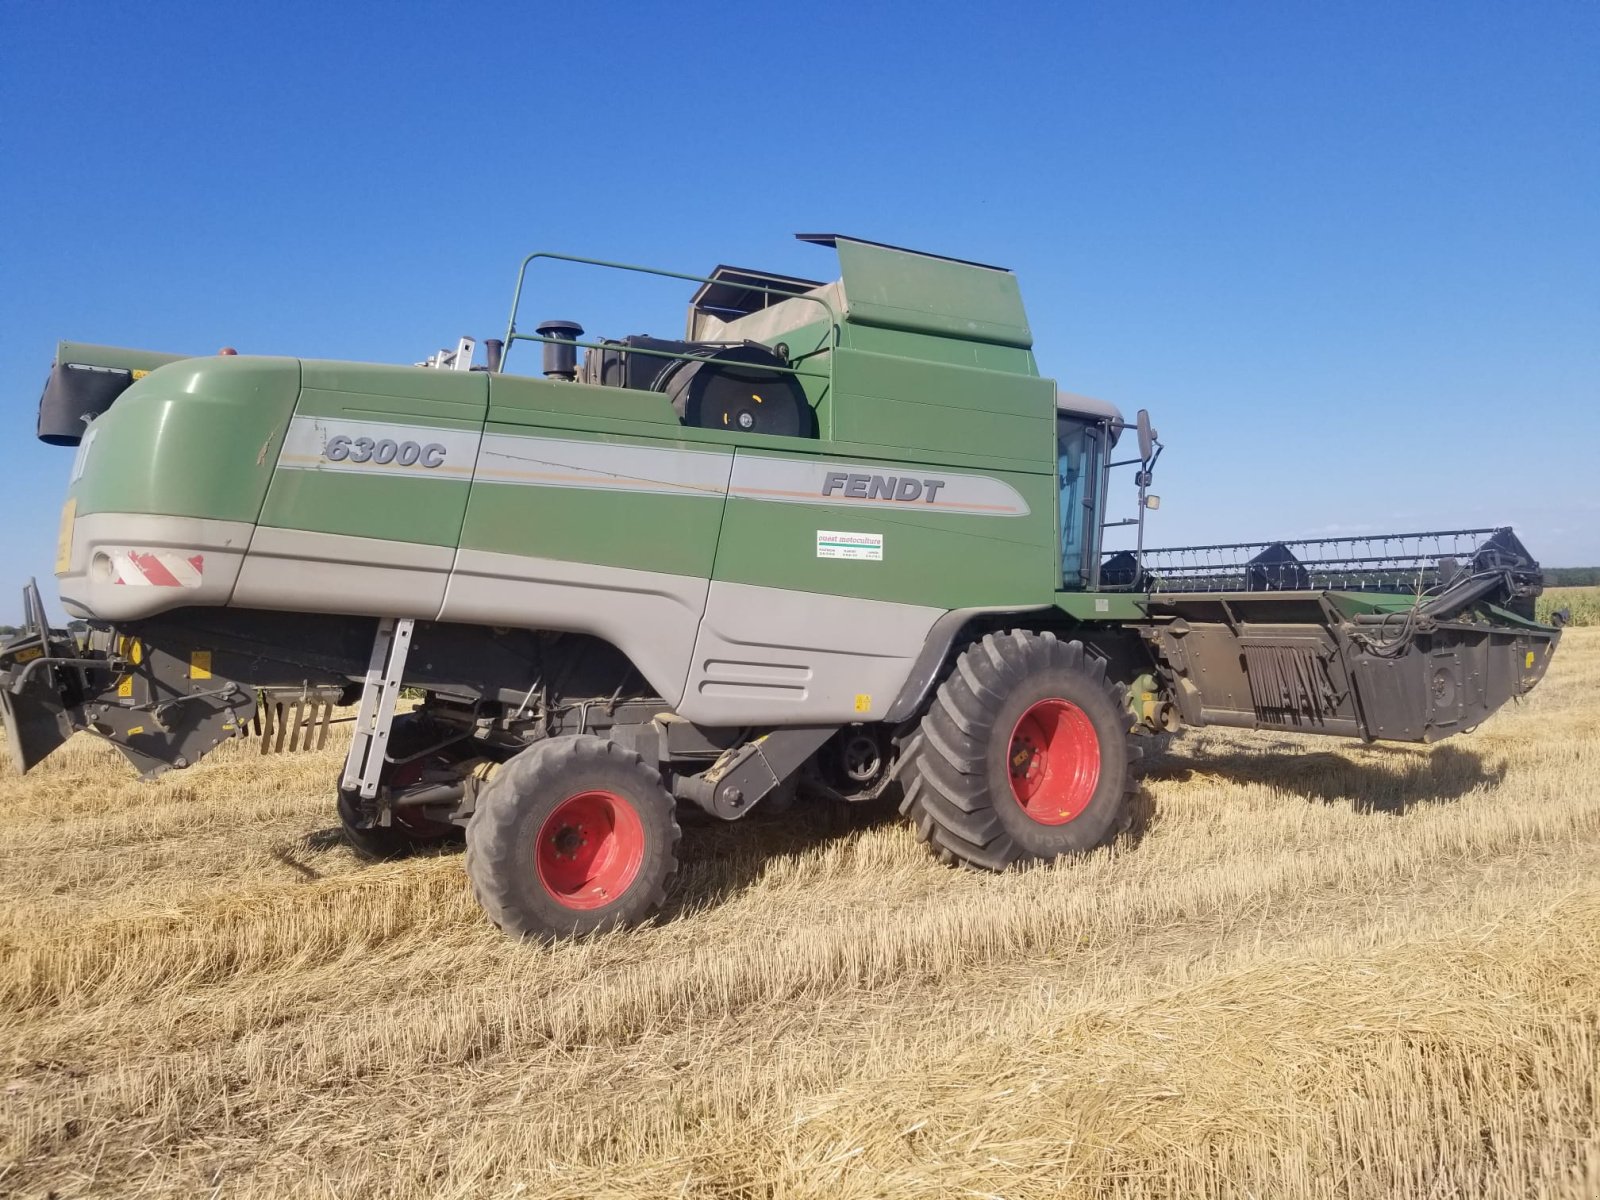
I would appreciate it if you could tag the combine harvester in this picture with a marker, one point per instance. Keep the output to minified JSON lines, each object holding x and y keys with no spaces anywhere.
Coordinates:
{"x":840,"y":536}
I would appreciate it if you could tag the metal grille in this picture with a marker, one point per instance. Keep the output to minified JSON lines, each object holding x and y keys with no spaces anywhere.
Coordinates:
{"x":1405,"y":563}
{"x":1289,"y":684}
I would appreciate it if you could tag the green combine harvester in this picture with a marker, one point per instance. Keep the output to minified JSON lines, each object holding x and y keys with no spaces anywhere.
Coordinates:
{"x":841,"y":539}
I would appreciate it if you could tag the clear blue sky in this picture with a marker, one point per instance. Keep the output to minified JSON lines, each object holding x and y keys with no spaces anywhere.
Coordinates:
{"x":1347,"y":254}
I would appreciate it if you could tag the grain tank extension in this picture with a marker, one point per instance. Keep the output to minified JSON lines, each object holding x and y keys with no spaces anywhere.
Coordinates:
{"x":841,"y":540}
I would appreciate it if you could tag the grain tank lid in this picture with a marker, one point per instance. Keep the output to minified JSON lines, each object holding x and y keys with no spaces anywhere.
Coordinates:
{"x":890,"y":287}
{"x":738,"y":291}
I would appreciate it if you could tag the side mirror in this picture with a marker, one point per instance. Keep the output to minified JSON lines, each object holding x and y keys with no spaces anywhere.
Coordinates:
{"x":1147,"y":436}
{"x":1152,"y":502}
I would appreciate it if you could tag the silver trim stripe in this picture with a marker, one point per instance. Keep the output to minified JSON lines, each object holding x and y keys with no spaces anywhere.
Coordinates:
{"x":808,"y":481}
{"x":306,"y":447}
{"x":602,"y":466}
{"x":533,"y":461}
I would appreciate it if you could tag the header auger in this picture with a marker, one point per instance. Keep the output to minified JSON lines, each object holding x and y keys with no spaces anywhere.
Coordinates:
{"x":840,"y":539}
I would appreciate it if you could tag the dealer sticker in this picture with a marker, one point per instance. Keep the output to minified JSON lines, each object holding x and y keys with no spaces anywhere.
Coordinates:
{"x":833,"y":544}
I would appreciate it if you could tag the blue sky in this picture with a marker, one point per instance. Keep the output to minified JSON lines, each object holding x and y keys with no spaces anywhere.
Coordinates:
{"x":1347,"y":254}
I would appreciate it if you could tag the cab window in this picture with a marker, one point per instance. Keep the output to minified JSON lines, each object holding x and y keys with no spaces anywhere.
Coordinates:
{"x":1078,"y":449}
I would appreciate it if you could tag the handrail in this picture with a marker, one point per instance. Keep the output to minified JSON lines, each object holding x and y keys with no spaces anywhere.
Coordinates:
{"x":513,"y":336}
{"x":675,"y":355}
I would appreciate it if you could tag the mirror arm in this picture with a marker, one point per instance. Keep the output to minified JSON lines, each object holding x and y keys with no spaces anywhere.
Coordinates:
{"x":1145,"y":471}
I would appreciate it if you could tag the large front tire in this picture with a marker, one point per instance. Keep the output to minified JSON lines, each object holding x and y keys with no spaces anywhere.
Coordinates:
{"x":571,"y":836}
{"x":1022,"y":757}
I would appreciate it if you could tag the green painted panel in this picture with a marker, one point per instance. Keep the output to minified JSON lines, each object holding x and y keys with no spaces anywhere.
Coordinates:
{"x":198,"y":437}
{"x":1104,"y":606}
{"x":519,"y":398}
{"x":945,"y":560}
{"x":428,"y":511}
{"x":437,"y":388}
{"x":114,"y":356}
{"x":643,"y":530}
{"x":464,"y":413}
{"x":934,"y":407}
{"x":904,"y":290}
{"x":673,"y":534}
{"x":955,"y":351}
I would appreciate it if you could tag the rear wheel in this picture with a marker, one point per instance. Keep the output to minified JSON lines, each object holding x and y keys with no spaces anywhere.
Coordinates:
{"x":1023,"y":756}
{"x":410,"y":831}
{"x":571,"y":836}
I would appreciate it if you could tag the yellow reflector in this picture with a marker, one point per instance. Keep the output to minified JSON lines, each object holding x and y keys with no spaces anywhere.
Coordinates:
{"x":199,"y":664}
{"x":69,"y":516}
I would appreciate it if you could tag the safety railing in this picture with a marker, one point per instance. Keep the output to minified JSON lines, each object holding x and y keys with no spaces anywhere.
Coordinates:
{"x":831,"y":338}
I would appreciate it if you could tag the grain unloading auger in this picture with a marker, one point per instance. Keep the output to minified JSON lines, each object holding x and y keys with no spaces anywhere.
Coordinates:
{"x":711,"y":571}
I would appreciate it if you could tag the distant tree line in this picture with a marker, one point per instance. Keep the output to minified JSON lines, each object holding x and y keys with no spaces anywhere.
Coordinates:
{"x":1572,"y":576}
{"x":72,"y":627}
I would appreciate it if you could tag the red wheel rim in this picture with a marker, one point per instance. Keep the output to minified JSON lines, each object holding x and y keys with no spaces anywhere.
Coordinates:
{"x":590,"y":849}
{"x":403,"y":775}
{"x":1054,"y":761}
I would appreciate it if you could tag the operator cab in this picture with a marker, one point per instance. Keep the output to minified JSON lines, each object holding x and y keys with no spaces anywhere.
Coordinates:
{"x":1087,"y":431}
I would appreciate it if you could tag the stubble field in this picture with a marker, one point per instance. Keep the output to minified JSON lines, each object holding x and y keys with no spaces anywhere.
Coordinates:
{"x":1313,"y":970}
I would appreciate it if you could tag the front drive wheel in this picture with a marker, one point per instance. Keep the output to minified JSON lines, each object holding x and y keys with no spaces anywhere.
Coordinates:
{"x":571,"y":836}
{"x":1023,"y":756}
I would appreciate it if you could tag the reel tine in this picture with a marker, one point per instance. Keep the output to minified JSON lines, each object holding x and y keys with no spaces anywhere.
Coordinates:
{"x":283,"y":726}
{"x":327,"y":719}
{"x":264,"y":723}
{"x":296,"y":718}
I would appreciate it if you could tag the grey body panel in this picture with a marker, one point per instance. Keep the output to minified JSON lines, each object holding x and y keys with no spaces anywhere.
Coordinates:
{"x":650,"y":616}
{"x":89,"y":586}
{"x":296,"y":570}
{"x":766,"y":656}
{"x":926,"y":670}
{"x":1087,"y":405}
{"x":720,"y":653}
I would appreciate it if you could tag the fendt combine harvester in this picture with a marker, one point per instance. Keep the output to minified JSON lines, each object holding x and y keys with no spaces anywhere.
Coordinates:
{"x":840,"y":538}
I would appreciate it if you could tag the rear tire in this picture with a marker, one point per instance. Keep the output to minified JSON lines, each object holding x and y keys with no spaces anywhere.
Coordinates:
{"x":1023,"y":756}
{"x":382,"y":843}
{"x":408,"y":834}
{"x":571,"y":836}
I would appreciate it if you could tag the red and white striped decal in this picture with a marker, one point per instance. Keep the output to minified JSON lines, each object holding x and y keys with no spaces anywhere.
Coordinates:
{"x":157,"y":568}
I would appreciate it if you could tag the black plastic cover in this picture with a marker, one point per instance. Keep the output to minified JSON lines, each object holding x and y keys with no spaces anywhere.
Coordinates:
{"x":74,"y":393}
{"x":614,"y":366}
{"x":737,"y":388}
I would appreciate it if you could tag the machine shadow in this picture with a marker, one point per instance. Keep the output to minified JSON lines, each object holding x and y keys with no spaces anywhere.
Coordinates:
{"x":1414,"y":775}
{"x":720,"y":859}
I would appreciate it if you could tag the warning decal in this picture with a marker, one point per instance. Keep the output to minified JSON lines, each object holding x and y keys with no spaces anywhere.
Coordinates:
{"x":833,"y":544}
